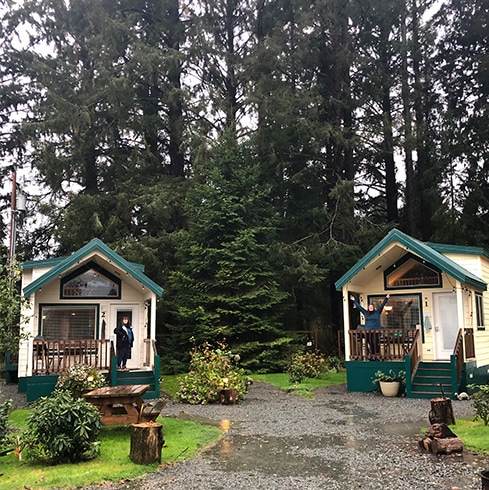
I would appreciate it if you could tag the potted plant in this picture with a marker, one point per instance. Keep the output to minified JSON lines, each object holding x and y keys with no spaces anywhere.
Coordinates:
{"x":390,"y":382}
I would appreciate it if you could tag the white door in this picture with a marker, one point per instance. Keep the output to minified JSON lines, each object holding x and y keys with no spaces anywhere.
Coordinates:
{"x":132,"y":311}
{"x":445,"y":325}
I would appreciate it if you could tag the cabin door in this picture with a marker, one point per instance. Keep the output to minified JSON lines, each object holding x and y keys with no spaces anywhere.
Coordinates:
{"x":445,"y":327}
{"x":132,"y":311}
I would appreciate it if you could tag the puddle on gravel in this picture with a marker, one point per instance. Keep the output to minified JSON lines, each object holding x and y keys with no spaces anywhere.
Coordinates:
{"x":274,"y":455}
{"x":309,"y":455}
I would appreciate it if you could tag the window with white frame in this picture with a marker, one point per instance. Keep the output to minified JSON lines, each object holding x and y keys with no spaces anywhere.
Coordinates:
{"x":479,"y":309}
{"x":401,"y":311}
{"x":68,"y":322}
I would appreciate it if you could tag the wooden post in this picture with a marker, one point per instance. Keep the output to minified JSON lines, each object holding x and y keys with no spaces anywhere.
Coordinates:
{"x":441,"y":411}
{"x":146,"y":442}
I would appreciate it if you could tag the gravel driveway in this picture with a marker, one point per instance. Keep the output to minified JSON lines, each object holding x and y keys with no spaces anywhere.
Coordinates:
{"x":339,"y":440}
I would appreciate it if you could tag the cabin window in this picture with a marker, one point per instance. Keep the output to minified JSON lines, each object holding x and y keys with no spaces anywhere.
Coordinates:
{"x":68,"y":322}
{"x":479,"y":308}
{"x":412,"y":273}
{"x":401,"y":311}
{"x":90,"y":281}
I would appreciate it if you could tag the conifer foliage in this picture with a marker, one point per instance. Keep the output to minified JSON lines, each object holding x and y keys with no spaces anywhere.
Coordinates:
{"x":225,"y":286}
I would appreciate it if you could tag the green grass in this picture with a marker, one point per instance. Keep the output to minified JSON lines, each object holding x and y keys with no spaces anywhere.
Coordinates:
{"x":307,"y":387}
{"x":183,"y":440}
{"x":474,"y":434}
{"x":169,"y":383}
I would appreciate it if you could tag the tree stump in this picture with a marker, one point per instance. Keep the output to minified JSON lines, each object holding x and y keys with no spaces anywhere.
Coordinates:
{"x":228,"y":396}
{"x":441,"y":440}
{"x":146,"y":442}
{"x":441,"y":411}
{"x":447,"y":445}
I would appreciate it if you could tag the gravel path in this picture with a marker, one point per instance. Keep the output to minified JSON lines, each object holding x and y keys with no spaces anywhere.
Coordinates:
{"x":338,"y":441}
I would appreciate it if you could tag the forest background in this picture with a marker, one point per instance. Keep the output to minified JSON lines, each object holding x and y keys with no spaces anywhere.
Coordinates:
{"x":247,"y":152}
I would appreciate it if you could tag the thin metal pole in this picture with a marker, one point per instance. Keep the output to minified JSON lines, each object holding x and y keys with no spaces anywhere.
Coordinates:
{"x":13,"y":199}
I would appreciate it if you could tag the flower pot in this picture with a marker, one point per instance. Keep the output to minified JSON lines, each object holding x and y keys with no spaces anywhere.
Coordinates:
{"x":390,"y":388}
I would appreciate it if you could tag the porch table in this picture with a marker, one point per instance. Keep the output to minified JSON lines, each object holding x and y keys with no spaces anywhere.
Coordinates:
{"x":118,"y":404}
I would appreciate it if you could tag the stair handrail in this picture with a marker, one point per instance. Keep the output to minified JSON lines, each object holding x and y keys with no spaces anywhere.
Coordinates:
{"x":459,"y":354}
{"x":415,"y":352}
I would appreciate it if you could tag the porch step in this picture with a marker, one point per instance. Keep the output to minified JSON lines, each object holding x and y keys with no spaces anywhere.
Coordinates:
{"x":432,"y":380}
{"x":138,"y":377}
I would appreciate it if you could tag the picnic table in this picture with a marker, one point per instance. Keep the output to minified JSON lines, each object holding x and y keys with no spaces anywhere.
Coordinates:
{"x":118,"y":404}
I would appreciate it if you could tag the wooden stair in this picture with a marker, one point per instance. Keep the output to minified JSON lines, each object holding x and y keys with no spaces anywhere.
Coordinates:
{"x":432,"y":380}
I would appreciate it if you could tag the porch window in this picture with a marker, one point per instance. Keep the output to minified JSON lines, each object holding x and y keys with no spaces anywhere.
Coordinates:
{"x":410,"y":272}
{"x":479,"y":308}
{"x":68,"y":322}
{"x":401,"y":311}
{"x":91,"y":281}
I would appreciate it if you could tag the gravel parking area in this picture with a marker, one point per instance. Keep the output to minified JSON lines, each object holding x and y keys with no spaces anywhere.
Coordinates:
{"x":339,"y":440}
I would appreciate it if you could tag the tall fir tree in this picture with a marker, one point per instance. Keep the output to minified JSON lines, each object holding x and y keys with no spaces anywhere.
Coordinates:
{"x":225,"y":285}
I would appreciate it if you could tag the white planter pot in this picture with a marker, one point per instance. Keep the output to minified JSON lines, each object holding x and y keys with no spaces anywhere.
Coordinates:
{"x":390,"y":388}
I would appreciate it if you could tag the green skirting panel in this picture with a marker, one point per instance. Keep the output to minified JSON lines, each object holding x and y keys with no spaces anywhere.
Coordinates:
{"x":38,"y":386}
{"x":360,"y":374}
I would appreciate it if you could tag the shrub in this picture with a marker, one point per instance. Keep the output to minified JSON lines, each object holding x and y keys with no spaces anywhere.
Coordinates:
{"x":62,"y":429}
{"x":5,"y":409}
{"x":480,"y":401}
{"x":80,"y":378}
{"x":211,"y":370}
{"x":306,"y":365}
{"x":333,"y":364}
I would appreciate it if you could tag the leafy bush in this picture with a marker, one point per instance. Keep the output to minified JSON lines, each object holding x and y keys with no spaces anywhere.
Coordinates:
{"x":5,"y":409}
{"x":333,"y":363}
{"x":211,"y":370}
{"x":480,"y":401}
{"x":62,"y":429}
{"x":306,"y":365}
{"x":390,"y":376}
{"x":80,"y":378}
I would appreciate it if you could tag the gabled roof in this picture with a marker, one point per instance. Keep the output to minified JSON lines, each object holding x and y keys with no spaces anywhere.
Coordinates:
{"x":426,"y":251}
{"x":59,"y":266}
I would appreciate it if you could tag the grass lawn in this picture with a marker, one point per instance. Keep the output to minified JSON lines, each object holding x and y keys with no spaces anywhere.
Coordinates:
{"x":169,"y":382}
{"x":183,"y":439}
{"x":474,"y":434}
{"x":305,"y":388}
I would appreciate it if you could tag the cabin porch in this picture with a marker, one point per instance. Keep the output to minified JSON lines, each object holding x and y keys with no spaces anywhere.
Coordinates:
{"x":51,"y":357}
{"x":402,"y":349}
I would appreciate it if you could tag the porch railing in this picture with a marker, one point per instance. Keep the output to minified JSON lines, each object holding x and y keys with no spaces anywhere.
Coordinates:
{"x":54,"y":356}
{"x":464,"y":349}
{"x":384,"y":345}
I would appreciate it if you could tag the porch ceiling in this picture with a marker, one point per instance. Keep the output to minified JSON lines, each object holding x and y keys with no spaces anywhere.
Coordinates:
{"x":378,"y":264}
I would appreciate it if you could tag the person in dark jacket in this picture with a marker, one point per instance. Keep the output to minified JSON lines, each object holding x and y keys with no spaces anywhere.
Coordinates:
{"x":124,"y":342}
{"x":372,"y":322}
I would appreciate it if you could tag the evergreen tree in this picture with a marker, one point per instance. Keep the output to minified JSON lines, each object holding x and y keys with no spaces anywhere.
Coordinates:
{"x":225,"y":286}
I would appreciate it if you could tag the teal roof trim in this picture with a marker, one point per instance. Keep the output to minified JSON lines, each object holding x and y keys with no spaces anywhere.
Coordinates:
{"x":458,"y":249}
{"x":135,"y":270}
{"x":424,"y":250}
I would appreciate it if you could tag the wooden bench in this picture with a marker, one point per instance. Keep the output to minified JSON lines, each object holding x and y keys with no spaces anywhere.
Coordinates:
{"x":118,"y":404}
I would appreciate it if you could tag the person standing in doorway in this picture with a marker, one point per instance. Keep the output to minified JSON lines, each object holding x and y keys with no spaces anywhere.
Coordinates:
{"x":124,"y":342}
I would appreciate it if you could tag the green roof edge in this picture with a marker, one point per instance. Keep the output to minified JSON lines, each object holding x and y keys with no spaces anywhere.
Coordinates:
{"x":422,"y":249}
{"x":60,"y":265}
